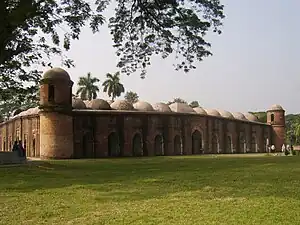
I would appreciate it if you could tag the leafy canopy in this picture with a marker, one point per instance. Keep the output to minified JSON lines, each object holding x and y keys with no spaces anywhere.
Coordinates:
{"x":33,"y":31}
{"x":131,"y":97}
{"x":87,"y":87}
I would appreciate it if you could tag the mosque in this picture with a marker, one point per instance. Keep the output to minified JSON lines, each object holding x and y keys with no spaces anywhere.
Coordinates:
{"x":63,"y":127}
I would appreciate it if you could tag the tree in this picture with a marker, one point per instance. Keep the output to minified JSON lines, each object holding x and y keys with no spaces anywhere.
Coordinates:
{"x":178,"y":100}
{"x":194,"y":104}
{"x":87,"y":87}
{"x":131,"y":97}
{"x":33,"y":31}
{"x":112,"y":85}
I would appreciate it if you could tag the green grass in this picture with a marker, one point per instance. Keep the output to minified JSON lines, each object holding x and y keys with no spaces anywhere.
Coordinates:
{"x":160,"y":190}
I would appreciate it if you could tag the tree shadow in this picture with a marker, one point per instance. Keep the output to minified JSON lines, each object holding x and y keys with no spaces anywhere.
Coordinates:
{"x":146,"y":178}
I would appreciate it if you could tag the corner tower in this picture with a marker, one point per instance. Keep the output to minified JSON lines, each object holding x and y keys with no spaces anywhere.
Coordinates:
{"x":56,"y":122}
{"x":276,"y":118}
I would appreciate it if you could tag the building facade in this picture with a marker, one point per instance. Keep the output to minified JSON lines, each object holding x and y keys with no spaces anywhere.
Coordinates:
{"x":63,"y":127}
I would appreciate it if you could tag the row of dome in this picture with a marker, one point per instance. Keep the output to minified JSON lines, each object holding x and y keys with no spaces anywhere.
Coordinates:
{"x":100,"y":104}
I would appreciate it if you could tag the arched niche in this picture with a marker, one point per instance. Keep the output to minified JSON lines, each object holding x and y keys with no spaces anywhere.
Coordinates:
{"x":243,"y":146}
{"x":197,"y":142}
{"x":113,"y":145}
{"x":254,"y":144}
{"x":159,"y":145}
{"x":177,"y":145}
{"x":137,"y":145}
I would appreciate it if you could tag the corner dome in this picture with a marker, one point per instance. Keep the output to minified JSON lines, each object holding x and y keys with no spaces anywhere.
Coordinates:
{"x":121,"y":105}
{"x":161,"y":107}
{"x":251,"y":117}
{"x":77,"y":103}
{"x":181,"y":108}
{"x":239,"y":116}
{"x":56,"y":73}
{"x":212,"y":112}
{"x":276,"y":107}
{"x":143,"y":106}
{"x":226,"y":114}
{"x":200,"y":110}
{"x":99,"y":104}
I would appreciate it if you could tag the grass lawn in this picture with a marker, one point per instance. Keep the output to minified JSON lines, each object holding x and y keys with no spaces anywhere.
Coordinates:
{"x":160,"y":190}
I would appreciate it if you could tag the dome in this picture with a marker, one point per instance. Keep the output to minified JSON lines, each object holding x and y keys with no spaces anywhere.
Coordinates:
{"x":251,"y":117}
{"x":226,"y":114}
{"x":77,"y":103}
{"x":56,"y":73}
{"x":181,"y":108}
{"x":161,"y":107}
{"x":143,"y":106}
{"x":276,"y":107}
{"x":99,"y":104}
{"x":200,"y":110}
{"x":88,"y":104}
{"x":239,"y":116}
{"x":212,"y":112}
{"x":121,"y":105}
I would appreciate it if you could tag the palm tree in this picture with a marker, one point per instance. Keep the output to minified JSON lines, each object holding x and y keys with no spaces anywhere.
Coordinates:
{"x":87,"y":87}
{"x":112,"y":85}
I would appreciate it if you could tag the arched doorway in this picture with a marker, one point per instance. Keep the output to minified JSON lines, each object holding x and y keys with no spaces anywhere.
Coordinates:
{"x":229,"y":144}
{"x":253,"y":144}
{"x":196,"y":142}
{"x":215,"y":144}
{"x":113,"y":145}
{"x":159,"y":145}
{"x":177,"y":145}
{"x":242,"y":144}
{"x":137,"y":145}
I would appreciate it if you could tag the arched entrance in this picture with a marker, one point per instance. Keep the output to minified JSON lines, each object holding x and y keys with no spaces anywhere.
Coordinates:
{"x":137,"y":145}
{"x":215,"y":144}
{"x":253,"y":144}
{"x":242,"y":144}
{"x":159,"y":145}
{"x":177,"y":145}
{"x":113,"y":145}
{"x":229,"y":145}
{"x":196,"y":142}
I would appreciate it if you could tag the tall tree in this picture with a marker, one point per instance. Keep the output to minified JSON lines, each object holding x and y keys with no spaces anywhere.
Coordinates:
{"x":33,"y":31}
{"x":88,"y":87}
{"x":113,"y":86}
{"x":178,"y":100}
{"x":131,"y":97}
{"x":194,"y":104}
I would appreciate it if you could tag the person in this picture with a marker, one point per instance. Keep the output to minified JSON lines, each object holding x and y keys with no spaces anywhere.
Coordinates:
{"x":273,"y":148}
{"x":15,"y":146}
{"x":21,"y":149}
{"x":283,"y":149}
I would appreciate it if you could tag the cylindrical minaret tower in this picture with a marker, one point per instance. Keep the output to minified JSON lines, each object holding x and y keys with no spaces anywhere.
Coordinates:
{"x":56,"y":122}
{"x":276,"y":118}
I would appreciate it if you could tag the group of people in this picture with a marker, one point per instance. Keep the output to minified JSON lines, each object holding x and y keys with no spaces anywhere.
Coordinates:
{"x":18,"y":147}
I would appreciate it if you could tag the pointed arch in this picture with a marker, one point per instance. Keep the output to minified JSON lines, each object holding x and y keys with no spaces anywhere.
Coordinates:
{"x":197,"y":142}
{"x":215,"y":144}
{"x":254,"y":144}
{"x":159,"y":145}
{"x":114,"y":145}
{"x":243,"y":147}
{"x":177,"y":145}
{"x":137,"y":145}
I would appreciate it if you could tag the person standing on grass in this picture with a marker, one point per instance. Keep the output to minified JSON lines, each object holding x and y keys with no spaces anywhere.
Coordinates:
{"x":22,"y":149}
{"x":15,"y":147}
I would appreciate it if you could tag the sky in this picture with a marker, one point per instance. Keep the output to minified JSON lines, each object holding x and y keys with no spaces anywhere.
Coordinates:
{"x":255,"y":62}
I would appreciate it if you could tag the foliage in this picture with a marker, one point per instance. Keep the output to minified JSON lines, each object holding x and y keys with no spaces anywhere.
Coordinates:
{"x":148,"y":190}
{"x":112,"y":85}
{"x":34,"y":31}
{"x":87,"y":87}
{"x":194,"y":104}
{"x":262,"y":116}
{"x":131,"y":97}
{"x":178,"y":100}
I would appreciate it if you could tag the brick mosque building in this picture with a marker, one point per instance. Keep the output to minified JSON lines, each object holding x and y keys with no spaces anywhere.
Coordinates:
{"x":64,"y":127}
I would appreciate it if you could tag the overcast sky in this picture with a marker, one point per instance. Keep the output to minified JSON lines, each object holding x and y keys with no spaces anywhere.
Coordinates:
{"x":255,"y":61}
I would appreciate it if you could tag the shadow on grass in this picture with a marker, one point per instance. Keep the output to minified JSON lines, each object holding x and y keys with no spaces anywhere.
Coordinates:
{"x":146,"y":178}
